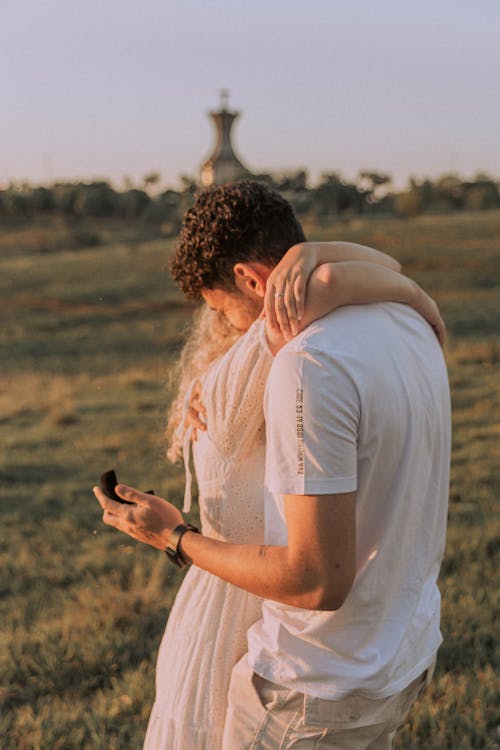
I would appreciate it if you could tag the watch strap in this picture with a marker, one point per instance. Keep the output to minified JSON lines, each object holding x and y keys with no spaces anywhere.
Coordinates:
{"x":173,"y":549}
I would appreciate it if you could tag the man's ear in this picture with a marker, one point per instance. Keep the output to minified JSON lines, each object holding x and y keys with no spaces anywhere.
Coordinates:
{"x":250,"y":279}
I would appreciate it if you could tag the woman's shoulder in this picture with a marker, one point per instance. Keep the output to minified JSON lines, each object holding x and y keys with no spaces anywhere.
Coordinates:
{"x":233,"y":390}
{"x":249,"y":351}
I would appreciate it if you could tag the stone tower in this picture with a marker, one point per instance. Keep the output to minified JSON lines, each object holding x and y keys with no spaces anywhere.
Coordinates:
{"x":223,"y":165}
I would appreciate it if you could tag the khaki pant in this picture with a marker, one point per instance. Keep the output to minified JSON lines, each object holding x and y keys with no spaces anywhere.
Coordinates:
{"x":265,"y":716}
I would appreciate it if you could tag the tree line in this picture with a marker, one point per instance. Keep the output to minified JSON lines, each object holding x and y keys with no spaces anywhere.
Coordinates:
{"x":331,"y":198}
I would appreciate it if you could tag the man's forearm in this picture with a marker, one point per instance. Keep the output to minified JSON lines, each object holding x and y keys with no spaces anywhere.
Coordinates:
{"x":263,"y":570}
{"x":314,"y":571}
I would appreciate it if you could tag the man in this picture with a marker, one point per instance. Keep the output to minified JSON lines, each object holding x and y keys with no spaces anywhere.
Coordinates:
{"x":357,"y":425}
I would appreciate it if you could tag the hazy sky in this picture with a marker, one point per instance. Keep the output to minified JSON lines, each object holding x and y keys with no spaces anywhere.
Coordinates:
{"x":113,"y":87}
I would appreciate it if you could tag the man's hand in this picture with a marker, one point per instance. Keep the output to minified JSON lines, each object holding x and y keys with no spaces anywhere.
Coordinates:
{"x":150,"y":519}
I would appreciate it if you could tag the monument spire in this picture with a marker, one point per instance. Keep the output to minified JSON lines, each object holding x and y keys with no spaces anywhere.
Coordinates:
{"x":223,"y":165}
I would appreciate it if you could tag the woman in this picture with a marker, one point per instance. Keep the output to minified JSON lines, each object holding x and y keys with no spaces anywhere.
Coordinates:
{"x":206,"y":631}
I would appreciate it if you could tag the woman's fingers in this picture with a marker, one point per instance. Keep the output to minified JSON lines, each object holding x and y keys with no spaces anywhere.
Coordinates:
{"x":195,"y":409}
{"x":291,"y":309}
{"x":196,"y":400}
{"x":197,"y":404}
{"x":430,"y":311}
{"x":299,"y":290}
{"x":281,"y":299}
{"x":194,"y":420}
{"x":289,"y":306}
{"x":284,"y":303}
{"x":440,"y":329}
{"x":269,"y":306}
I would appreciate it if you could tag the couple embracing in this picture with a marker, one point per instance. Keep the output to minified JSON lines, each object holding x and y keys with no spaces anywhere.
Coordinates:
{"x":314,"y":395}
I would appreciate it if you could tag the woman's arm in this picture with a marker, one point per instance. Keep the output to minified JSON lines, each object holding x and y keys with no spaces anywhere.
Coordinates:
{"x":335,"y":252}
{"x":287,"y":283}
{"x":334,"y":285}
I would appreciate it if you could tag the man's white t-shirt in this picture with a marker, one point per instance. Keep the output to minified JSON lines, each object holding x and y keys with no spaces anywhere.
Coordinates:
{"x":360,"y":401}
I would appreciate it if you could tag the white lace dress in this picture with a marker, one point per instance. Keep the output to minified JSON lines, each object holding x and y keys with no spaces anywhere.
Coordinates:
{"x":206,"y":632}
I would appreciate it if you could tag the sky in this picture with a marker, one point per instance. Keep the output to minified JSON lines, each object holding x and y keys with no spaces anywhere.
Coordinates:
{"x":114,"y":88}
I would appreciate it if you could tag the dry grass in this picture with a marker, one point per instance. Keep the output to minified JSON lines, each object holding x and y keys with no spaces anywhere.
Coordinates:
{"x":86,"y":343}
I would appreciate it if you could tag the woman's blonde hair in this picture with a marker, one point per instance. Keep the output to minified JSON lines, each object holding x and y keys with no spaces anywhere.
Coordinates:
{"x":210,"y":336}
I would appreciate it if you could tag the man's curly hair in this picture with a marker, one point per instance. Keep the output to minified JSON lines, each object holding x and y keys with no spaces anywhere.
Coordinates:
{"x":240,"y":222}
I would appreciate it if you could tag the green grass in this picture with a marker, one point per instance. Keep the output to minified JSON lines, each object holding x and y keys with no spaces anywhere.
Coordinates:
{"x":86,"y":341}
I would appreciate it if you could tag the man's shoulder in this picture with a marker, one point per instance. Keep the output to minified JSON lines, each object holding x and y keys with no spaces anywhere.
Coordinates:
{"x":336,"y":329}
{"x":357,"y":325}
{"x":323,"y":345}
{"x":361,"y":337}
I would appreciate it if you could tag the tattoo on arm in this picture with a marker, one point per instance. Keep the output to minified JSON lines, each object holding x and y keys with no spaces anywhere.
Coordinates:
{"x":263,"y":550}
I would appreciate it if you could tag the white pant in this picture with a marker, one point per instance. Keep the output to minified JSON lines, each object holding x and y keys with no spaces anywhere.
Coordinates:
{"x":264,"y":716}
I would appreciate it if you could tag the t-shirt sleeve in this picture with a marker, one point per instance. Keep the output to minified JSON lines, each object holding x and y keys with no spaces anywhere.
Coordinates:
{"x":312,"y":413}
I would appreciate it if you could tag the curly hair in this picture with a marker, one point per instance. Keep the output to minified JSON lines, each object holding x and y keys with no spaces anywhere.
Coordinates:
{"x":239,"y":222}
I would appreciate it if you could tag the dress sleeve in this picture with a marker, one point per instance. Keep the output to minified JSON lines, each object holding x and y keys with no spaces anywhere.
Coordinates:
{"x":233,"y":392}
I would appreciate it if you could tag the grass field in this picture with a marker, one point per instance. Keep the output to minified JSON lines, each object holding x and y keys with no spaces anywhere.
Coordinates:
{"x":87,"y":338}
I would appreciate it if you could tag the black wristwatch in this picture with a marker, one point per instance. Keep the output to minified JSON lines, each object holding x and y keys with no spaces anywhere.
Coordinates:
{"x":173,"y":550}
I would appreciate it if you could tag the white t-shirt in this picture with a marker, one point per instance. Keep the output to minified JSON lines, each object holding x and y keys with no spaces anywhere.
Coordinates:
{"x":360,"y":401}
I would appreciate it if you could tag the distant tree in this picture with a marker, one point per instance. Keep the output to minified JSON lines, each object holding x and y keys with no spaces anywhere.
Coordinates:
{"x":42,"y":199}
{"x":291,"y":181}
{"x":447,"y":193}
{"x":166,"y":210}
{"x":132,"y":203}
{"x":408,"y":203}
{"x":327,"y":194}
{"x":302,"y":201}
{"x":171,"y":198}
{"x":188,"y":183}
{"x":265,"y":177}
{"x":450,"y":190}
{"x":482,"y":194}
{"x":293,"y":187}
{"x":64,"y":197}
{"x":150,"y":180}
{"x":95,"y":199}
{"x":16,"y":202}
{"x":332,"y":196}
{"x":374,"y":185}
